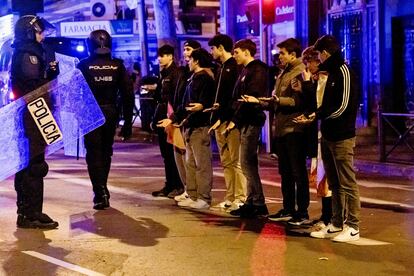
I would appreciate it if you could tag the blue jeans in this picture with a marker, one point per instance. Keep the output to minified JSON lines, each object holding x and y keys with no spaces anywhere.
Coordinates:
{"x":338,"y":160}
{"x":249,"y":142}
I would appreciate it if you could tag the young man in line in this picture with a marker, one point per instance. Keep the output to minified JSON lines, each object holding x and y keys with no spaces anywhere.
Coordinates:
{"x":184,"y":74}
{"x":228,"y":142}
{"x":290,"y":140}
{"x":338,"y":126}
{"x":288,"y":103}
{"x":249,"y":118}
{"x":198,"y":162}
{"x":165,"y":95}
{"x":313,"y":89}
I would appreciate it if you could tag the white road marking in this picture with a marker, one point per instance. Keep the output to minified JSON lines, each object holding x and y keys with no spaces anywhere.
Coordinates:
{"x":385,"y":202}
{"x":363,"y":199}
{"x":128,"y":192}
{"x":113,"y":165}
{"x":370,"y":184}
{"x":66,"y":265}
{"x":365,"y":242}
{"x":280,"y":200}
{"x":273,"y":200}
{"x":218,"y":190}
{"x":146,"y":177}
{"x":86,"y":183}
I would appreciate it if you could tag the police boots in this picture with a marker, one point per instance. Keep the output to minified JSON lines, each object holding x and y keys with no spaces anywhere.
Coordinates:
{"x":99,"y":177}
{"x":37,"y":221}
{"x":101,"y":203}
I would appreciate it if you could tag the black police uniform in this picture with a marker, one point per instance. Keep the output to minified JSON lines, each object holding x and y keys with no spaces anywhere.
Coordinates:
{"x":106,"y":77}
{"x":29,"y":71}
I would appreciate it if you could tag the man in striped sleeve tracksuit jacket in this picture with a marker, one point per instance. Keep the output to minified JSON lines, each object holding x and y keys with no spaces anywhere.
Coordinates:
{"x":338,"y":115}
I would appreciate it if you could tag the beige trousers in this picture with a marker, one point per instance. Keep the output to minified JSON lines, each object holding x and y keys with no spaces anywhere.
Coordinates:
{"x":229,"y":146}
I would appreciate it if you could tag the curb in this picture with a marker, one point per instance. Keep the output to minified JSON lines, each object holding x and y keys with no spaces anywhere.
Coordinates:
{"x":383,"y":168}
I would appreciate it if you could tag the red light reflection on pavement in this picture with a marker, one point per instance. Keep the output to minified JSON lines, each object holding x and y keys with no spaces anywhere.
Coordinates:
{"x":268,"y":255}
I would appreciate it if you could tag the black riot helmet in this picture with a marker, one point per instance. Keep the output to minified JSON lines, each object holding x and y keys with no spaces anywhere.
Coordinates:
{"x":99,"y":42}
{"x":27,"y":26}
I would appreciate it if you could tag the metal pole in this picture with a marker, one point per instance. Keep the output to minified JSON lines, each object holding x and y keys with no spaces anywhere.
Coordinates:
{"x":261,"y":29}
{"x":381,"y":135}
{"x":266,"y":129}
{"x":223,"y":18}
{"x":143,"y":37}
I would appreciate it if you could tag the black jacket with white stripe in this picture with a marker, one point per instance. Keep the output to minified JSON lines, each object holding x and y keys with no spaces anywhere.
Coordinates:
{"x":340,"y":101}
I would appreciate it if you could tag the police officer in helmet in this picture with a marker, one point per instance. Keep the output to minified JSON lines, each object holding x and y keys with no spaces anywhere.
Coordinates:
{"x":29,"y":71}
{"x":107,"y":77}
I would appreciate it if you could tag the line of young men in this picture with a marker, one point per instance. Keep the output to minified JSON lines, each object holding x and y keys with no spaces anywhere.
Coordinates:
{"x":237,"y":117}
{"x":204,"y":99}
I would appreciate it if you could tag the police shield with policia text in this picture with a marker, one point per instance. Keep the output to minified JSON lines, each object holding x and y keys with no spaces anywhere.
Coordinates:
{"x":29,"y":71}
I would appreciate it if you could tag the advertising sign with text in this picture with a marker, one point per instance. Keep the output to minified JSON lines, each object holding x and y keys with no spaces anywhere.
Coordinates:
{"x":285,"y":10}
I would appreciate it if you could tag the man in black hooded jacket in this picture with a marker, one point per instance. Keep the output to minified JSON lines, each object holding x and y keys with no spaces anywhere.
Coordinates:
{"x":164,"y":95}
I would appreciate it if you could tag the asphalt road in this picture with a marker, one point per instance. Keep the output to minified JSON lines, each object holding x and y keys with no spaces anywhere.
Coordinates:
{"x":142,"y":235}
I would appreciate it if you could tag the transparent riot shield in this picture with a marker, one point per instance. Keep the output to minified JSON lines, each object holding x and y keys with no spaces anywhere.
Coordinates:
{"x":57,"y":113}
{"x":66,"y":63}
{"x":76,"y":147}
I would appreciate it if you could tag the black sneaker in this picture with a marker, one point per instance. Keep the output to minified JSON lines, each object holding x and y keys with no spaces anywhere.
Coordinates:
{"x":175,"y":193}
{"x":250,"y":211}
{"x":161,"y":193}
{"x":39,"y":221}
{"x":282,"y":215}
{"x":237,"y":212}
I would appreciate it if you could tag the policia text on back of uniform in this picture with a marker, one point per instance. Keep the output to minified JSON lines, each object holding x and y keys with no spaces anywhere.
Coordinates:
{"x":108,"y":79}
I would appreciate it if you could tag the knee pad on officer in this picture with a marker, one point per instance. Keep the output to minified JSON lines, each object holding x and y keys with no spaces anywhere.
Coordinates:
{"x":39,"y":169}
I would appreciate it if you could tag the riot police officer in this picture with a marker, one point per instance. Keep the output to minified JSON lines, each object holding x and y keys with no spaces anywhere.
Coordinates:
{"x":106,"y":77}
{"x":29,"y":70}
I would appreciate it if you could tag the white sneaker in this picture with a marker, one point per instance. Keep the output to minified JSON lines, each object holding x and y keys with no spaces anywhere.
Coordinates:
{"x":181,"y":197}
{"x":185,"y":203}
{"x":199,"y":204}
{"x":238,"y":202}
{"x":348,"y":234}
{"x":318,"y":226}
{"x":327,"y":232}
{"x":223,"y":205}
{"x":235,"y":205}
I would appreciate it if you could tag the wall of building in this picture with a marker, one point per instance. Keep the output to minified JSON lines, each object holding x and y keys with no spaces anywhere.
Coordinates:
{"x":387,"y":10}
{"x":127,"y":45}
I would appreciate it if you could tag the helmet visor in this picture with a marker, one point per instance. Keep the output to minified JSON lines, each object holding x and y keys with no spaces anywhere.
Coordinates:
{"x":41,"y":25}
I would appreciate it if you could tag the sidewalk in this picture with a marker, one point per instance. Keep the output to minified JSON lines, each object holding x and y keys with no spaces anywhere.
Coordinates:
{"x":400,"y":163}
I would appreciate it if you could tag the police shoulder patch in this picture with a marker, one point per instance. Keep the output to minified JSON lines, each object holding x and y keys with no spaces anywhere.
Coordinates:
{"x":33,"y":59}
